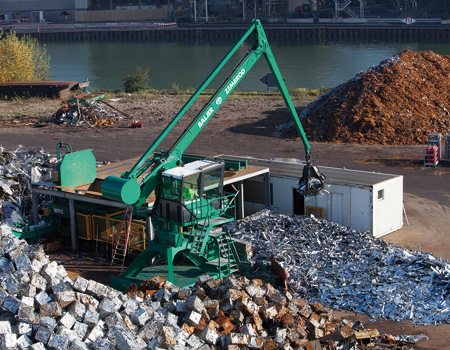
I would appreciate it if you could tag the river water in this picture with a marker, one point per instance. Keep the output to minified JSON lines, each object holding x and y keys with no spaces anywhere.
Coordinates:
{"x":187,"y":63}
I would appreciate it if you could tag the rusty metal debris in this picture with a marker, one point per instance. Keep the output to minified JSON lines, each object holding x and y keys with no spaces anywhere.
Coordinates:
{"x":398,"y":102}
{"x":18,"y":169}
{"x":90,"y":113}
{"x":346,"y":269}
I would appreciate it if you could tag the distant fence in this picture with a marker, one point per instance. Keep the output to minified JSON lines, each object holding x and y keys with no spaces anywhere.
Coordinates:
{"x":122,"y":15}
{"x":61,"y":28}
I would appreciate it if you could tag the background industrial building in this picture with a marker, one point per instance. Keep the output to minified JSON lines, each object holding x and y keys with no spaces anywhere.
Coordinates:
{"x":214,"y":10}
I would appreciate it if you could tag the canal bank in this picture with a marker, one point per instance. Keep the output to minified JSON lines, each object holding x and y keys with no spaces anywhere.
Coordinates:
{"x":174,"y":31}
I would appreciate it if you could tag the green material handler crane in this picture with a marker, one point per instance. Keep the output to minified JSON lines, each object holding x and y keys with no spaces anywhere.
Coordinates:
{"x":190,"y":202}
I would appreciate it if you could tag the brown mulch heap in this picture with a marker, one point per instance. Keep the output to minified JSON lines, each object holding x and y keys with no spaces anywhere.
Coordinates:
{"x":398,"y":102}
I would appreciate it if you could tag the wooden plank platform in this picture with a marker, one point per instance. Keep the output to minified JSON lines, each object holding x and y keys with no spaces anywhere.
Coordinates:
{"x":60,"y":89}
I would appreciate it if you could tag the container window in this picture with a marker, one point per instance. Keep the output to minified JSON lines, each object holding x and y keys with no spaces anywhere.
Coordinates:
{"x":380,"y":195}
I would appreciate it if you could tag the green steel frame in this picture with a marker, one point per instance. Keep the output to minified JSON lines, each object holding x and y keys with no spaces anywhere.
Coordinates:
{"x":211,"y":253}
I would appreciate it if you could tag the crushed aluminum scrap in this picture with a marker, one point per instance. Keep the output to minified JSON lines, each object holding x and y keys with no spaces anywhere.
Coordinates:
{"x":42,"y":308}
{"x":18,"y":169}
{"x":346,"y":269}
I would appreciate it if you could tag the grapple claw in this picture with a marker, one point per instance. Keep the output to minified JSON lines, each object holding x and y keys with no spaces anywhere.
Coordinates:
{"x":312,"y":182}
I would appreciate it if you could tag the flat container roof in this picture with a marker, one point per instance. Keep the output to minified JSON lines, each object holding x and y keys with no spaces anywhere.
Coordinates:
{"x":294,"y":168}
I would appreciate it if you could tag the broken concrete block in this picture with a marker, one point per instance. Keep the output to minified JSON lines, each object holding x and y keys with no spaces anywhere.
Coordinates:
{"x":80,"y":329}
{"x":5,"y":327}
{"x":67,"y":320}
{"x":80,"y":284}
{"x":57,"y":342}
{"x":65,"y":298}
{"x":91,"y":317}
{"x":23,"y":342}
{"x":140,"y":317}
{"x":26,"y":314}
{"x":43,"y":334}
{"x":51,"y":309}
{"x":8,"y":341}
{"x":209,"y":336}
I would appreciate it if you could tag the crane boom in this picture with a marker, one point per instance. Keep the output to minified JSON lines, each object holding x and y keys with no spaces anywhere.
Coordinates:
{"x":148,"y":168}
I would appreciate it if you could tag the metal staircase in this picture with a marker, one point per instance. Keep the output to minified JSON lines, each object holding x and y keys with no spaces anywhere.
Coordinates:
{"x":121,"y":244}
{"x":212,"y":248}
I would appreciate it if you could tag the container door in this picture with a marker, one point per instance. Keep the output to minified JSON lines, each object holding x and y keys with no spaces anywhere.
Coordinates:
{"x":337,"y":208}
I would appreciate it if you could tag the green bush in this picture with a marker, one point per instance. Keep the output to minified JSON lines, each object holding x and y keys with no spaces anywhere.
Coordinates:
{"x":137,"y":81}
{"x":22,"y":59}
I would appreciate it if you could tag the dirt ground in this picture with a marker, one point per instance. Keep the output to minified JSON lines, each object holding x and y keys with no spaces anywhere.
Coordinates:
{"x":245,"y":126}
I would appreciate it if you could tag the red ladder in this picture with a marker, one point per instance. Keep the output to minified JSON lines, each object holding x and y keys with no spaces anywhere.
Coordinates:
{"x":121,"y":244}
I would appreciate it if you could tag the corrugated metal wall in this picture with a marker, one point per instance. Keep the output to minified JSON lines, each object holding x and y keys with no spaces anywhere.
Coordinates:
{"x":121,"y":15}
{"x":35,"y":5}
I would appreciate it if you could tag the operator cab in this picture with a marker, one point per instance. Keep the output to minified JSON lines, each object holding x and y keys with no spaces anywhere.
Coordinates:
{"x":191,"y":190}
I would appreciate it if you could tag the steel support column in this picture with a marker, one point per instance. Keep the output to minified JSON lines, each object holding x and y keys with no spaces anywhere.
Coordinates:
{"x":73,"y":225}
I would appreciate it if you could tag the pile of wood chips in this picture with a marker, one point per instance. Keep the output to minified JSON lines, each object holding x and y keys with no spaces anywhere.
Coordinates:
{"x":398,"y":102}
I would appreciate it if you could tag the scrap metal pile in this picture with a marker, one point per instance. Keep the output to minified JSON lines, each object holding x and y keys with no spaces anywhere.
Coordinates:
{"x":88,"y":113}
{"x":398,"y":102}
{"x":346,"y":269}
{"x":18,"y":169}
{"x":42,"y":308}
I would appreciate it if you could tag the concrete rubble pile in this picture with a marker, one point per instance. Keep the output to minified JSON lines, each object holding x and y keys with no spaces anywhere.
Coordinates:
{"x":86,"y":113}
{"x":42,"y":308}
{"x":398,"y":102}
{"x":346,"y":269}
{"x":18,"y":169}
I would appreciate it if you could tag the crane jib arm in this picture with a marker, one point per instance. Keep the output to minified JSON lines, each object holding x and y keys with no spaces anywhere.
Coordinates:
{"x":148,"y":168}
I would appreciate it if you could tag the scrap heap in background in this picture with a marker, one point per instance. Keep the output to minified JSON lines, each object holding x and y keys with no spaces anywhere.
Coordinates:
{"x":18,"y":169}
{"x":398,"y":102}
{"x":347,"y":269}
